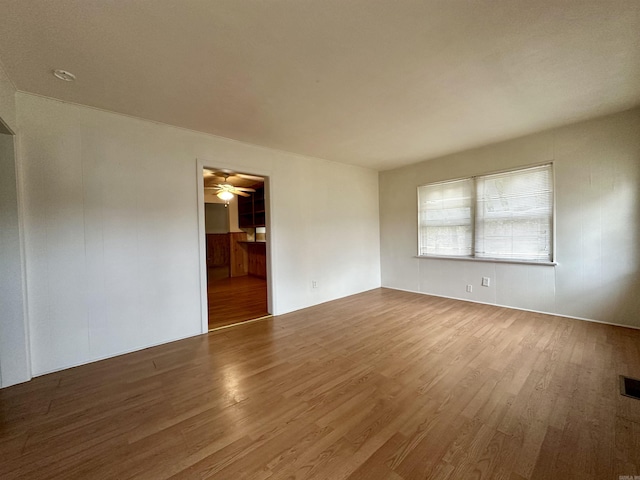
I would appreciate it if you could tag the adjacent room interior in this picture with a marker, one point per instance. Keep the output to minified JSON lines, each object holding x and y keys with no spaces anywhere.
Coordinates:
{"x":236,"y":247}
{"x":320,"y":240}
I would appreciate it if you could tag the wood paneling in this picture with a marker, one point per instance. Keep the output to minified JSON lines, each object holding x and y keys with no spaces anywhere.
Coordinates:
{"x":238,"y":254}
{"x":218,"y":249}
{"x":381,"y":385}
{"x":257,"y":252}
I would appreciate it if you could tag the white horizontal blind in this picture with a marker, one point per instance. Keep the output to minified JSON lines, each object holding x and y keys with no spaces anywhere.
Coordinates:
{"x":514,"y":215}
{"x":445,"y":218}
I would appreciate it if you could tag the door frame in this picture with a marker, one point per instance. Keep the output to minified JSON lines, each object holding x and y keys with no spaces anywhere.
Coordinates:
{"x":201,"y":164}
{"x":15,"y":362}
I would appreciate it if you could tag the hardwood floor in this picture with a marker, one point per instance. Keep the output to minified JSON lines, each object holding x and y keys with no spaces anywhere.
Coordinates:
{"x":236,"y":299}
{"x":381,"y":385}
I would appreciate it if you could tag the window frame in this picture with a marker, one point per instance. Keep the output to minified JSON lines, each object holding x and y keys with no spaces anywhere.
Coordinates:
{"x":474,"y":217}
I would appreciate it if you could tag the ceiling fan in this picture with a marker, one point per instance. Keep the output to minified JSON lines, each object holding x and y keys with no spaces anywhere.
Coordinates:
{"x":226,"y":190}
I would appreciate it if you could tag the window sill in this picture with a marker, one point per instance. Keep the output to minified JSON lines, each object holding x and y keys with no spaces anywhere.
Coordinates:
{"x":490,"y":260}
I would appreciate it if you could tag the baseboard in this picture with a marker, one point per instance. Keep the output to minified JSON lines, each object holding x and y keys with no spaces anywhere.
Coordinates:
{"x":327,"y":300}
{"x":516,"y":308}
{"x":123,"y":352}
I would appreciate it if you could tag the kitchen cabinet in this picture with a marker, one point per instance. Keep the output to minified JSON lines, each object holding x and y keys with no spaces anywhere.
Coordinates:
{"x":251,"y":210}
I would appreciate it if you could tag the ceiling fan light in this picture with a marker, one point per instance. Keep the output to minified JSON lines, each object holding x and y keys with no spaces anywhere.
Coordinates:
{"x":225,"y":195}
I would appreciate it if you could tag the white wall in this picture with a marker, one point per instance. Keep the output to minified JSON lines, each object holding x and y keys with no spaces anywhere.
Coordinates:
{"x":232,"y":207}
{"x":113,"y":267}
{"x":216,"y":218}
{"x":597,"y":170}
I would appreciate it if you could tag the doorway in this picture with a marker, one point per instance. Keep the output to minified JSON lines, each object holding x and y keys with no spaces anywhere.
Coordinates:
{"x":14,"y":341}
{"x":234,"y":207}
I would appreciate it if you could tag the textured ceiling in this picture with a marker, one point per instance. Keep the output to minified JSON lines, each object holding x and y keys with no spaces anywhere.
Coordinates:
{"x":378,"y":83}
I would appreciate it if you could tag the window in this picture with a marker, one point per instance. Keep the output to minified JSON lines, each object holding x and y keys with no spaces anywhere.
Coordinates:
{"x":445,"y":218}
{"x":505,"y":215}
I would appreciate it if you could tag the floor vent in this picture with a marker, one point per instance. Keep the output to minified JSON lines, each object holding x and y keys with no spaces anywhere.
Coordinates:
{"x":630,"y":387}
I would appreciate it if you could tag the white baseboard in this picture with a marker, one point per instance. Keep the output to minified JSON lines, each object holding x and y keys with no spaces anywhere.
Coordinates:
{"x":633,"y":327}
{"x":117,"y":354}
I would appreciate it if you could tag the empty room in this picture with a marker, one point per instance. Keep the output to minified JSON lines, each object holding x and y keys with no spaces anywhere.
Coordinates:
{"x":382,"y":239}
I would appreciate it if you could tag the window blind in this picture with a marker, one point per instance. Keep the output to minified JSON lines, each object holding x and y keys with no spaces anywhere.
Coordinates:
{"x":514,"y":215}
{"x":445,"y":221}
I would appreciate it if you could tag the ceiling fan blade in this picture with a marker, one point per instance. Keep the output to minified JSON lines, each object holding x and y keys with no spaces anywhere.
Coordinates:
{"x":245,"y":189}
{"x":235,"y":191}
{"x":249,"y":177}
{"x":225,"y":172}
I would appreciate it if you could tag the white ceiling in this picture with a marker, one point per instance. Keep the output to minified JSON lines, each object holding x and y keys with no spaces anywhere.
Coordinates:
{"x":378,"y":83}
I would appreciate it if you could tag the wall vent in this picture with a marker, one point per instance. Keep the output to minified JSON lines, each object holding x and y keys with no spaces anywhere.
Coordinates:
{"x":630,"y":387}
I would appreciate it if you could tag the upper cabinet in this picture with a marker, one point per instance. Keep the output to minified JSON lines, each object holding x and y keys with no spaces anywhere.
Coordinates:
{"x":251,"y":210}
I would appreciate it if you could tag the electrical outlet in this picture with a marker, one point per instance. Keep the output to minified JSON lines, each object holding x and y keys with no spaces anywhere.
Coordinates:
{"x":314,"y":284}
{"x":486,"y":281}
{"x":469,"y":288}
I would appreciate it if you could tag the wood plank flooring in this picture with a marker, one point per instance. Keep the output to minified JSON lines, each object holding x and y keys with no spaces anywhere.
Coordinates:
{"x":236,"y":299}
{"x":380,"y":385}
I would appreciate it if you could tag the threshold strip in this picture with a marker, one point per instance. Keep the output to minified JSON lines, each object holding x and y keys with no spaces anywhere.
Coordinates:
{"x":244,"y":322}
